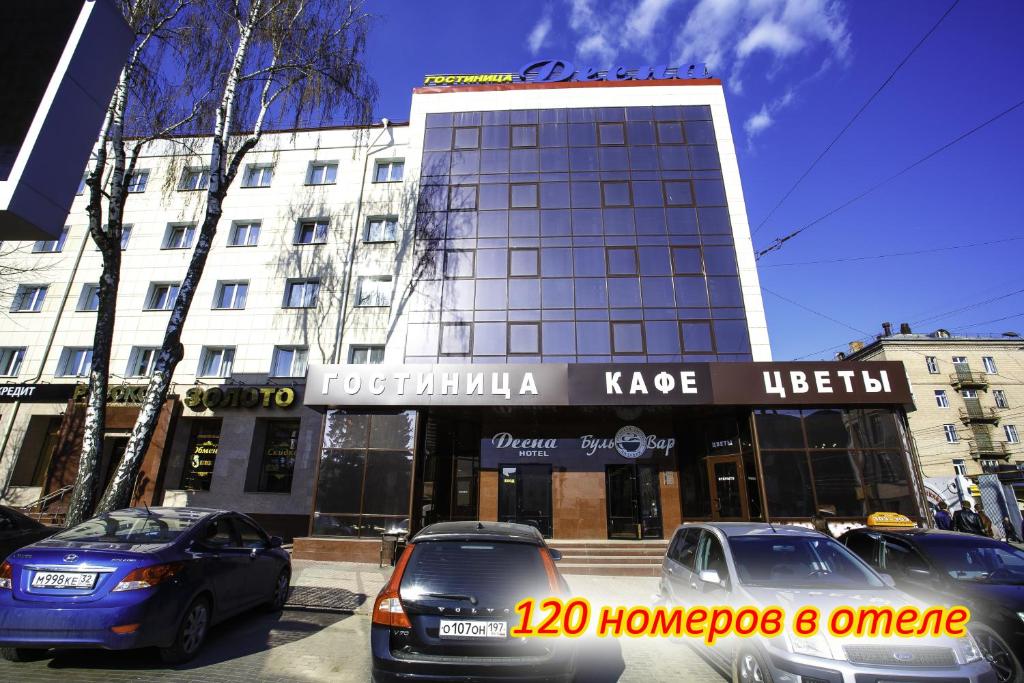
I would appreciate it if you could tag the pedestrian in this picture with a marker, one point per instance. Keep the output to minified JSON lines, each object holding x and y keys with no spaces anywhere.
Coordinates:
{"x":1011,"y":533}
{"x":942,"y":519}
{"x":986,"y":523}
{"x":967,"y":521}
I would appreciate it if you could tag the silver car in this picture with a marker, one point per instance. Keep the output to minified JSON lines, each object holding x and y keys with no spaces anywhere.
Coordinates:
{"x":757,"y":564}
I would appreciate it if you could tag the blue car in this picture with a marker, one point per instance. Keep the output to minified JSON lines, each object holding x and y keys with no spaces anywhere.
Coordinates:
{"x":138,"y":578}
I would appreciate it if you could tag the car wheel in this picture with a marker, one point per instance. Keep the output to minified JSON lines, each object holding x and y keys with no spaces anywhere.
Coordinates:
{"x":999,"y":654}
{"x":20,"y":654}
{"x":281,"y":589}
{"x":191,"y":633}
{"x":749,"y":667}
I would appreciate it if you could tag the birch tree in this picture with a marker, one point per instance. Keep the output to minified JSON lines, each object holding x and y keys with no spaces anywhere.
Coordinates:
{"x":142,"y":105}
{"x":271,"y":64}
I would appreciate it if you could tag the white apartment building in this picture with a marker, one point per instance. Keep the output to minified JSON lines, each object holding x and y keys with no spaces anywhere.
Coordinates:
{"x":311,"y":213}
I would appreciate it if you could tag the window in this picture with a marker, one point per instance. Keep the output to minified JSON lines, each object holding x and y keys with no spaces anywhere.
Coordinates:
{"x":51,"y":246}
{"x":381,"y":229}
{"x":258,"y":175}
{"x":280,"y":442}
{"x":990,"y":364}
{"x":941,"y":400}
{"x":467,"y":138}
{"x":951,"y":435}
{"x":389,"y":171}
{"x":524,"y":338}
{"x":524,"y":196}
{"x":932,"y":364}
{"x":195,"y":179}
{"x":969,"y":393}
{"x":89,"y":300}
{"x":312,"y":232}
{"x":81,"y":184}
{"x":231,"y":295}
{"x":366,"y":355}
{"x":301,"y":293}
{"x":29,"y":298}
{"x":289,"y":361}
{"x":138,"y":182}
{"x":456,"y":339}
{"x":216,"y":361}
{"x":322,"y":173}
{"x":244,"y":234}
{"x":1011,"y":433}
{"x":10,"y":360}
{"x":959,"y":467}
{"x":960,"y":363}
{"x":374,"y":291}
{"x":523,"y":262}
{"x":162,"y":296}
{"x":180,"y":236}
{"x":141,"y":361}
{"x":75,"y":362}
{"x":1000,"y":398}
{"x":524,"y":136}
{"x":615,"y":193}
{"x":126,"y":234}
{"x":622,"y":261}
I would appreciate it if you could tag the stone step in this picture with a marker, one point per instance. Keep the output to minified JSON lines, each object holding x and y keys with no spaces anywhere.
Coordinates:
{"x":609,"y":569}
{"x":609,"y":559}
{"x":604,"y":552}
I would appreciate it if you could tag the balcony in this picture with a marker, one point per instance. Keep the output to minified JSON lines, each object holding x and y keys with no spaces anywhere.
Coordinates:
{"x":976,"y":413}
{"x":984,"y":449}
{"x":965,"y":379}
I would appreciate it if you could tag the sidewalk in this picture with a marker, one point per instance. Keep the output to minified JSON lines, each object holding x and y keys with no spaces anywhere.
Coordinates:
{"x":336,"y":586}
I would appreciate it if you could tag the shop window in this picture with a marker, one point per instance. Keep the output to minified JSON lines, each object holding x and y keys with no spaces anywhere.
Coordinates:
{"x":780,"y":429}
{"x":201,"y":456}
{"x":276,"y":445}
{"x":835,"y":474}
{"x":787,"y":483}
{"x":365,"y":475}
{"x":827,"y":428}
{"x":36,"y":452}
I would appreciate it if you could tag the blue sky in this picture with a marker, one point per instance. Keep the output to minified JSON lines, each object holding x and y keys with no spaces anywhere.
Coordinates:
{"x":795,"y":71}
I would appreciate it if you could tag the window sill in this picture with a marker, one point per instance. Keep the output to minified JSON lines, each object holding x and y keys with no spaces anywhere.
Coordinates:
{"x":240,"y":246}
{"x":320,"y":184}
{"x":372,"y":306}
{"x":297,"y":308}
{"x":175,"y":248}
{"x":307,"y":244}
{"x":254,"y":187}
{"x":156,"y":310}
{"x":384,"y":182}
{"x":26,"y":311}
{"x":192,"y":189}
{"x":380,"y":241}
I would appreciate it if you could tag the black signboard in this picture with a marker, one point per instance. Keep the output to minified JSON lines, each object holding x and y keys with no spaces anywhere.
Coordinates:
{"x":201,"y":456}
{"x":36,"y":393}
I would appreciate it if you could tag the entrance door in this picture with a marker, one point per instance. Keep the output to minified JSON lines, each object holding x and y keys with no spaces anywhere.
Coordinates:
{"x":634,"y":505}
{"x":728,"y":488}
{"x":524,"y":496}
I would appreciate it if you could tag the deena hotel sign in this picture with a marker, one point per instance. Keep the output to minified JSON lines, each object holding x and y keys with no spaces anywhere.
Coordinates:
{"x":562,"y":71}
{"x":598,"y":384}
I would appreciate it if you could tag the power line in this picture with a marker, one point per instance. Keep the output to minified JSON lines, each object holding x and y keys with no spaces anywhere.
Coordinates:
{"x":968,"y":306}
{"x":811,"y":310}
{"x":994,"y":320}
{"x":893,"y":254}
{"x":855,"y":116}
{"x":779,"y":241}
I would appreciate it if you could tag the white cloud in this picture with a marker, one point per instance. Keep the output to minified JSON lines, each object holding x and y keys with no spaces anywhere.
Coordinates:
{"x":539,"y":35}
{"x":758,"y":122}
{"x":596,"y":47}
{"x":642,"y":21}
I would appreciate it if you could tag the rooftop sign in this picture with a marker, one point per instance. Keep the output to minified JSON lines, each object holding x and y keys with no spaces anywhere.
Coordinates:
{"x":561,"y":71}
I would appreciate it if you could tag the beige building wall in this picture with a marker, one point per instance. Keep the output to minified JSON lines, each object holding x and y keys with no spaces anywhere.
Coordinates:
{"x":935,"y":451}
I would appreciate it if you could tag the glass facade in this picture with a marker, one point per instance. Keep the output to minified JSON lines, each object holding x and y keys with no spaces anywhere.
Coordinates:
{"x":575,"y":235}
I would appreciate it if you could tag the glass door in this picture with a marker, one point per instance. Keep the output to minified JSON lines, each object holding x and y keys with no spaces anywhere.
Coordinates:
{"x":524,"y":496}
{"x":634,"y":504}
{"x":728,"y":488}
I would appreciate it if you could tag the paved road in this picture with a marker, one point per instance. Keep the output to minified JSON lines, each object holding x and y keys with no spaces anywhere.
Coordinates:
{"x":300,"y":645}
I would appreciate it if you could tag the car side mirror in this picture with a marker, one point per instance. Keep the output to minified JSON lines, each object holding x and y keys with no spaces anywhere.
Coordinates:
{"x":919,"y":573}
{"x":711,"y":576}
{"x":556,"y":555}
{"x":275,"y":542}
{"x":888,"y":580}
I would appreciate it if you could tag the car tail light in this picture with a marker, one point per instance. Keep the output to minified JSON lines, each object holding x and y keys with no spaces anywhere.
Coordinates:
{"x":147,"y":577}
{"x":6,"y":574}
{"x":387,"y":609}
{"x":550,"y":570}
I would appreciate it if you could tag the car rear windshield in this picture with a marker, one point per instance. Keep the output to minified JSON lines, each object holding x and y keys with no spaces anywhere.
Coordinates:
{"x":799,"y":562}
{"x":976,"y":559}
{"x":487,"y":572}
{"x":129,"y":527}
